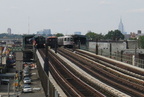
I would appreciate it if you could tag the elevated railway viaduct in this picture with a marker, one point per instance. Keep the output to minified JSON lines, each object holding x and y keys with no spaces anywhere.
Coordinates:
{"x":80,"y":73}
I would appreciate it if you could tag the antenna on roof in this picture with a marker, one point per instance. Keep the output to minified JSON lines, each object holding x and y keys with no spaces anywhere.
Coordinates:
{"x":28,"y":25}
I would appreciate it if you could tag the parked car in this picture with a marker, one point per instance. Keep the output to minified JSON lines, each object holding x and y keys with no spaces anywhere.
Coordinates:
{"x":26,"y":73}
{"x":27,"y":80}
{"x":26,"y":88}
{"x":27,"y":68}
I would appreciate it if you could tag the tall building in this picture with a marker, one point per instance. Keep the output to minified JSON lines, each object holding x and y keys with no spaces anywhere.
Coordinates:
{"x":45,"y":31}
{"x":121,"y":27}
{"x":77,"y":33}
{"x":40,"y":32}
{"x":9,"y":31}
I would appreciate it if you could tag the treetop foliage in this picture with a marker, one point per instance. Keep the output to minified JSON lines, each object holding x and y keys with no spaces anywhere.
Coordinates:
{"x":141,"y":40}
{"x":114,"y":35}
{"x":94,"y":36}
{"x":59,"y":34}
{"x":111,"y":35}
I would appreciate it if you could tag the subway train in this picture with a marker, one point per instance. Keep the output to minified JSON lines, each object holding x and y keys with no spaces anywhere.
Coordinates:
{"x":52,"y":41}
{"x":72,"y":40}
{"x":39,"y":42}
{"x":79,"y":39}
{"x":66,"y":41}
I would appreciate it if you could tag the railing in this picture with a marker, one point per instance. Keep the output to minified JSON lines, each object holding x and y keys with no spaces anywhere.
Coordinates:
{"x":130,"y":59}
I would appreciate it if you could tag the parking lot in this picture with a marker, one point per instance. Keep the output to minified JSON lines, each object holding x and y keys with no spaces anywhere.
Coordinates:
{"x":36,"y":86}
{"x":37,"y":91}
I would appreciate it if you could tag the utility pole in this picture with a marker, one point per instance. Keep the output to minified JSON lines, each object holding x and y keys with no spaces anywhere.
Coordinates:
{"x":8,"y":88}
{"x":110,"y":49}
{"x":46,"y":69}
{"x":28,"y":26}
{"x":96,"y":46}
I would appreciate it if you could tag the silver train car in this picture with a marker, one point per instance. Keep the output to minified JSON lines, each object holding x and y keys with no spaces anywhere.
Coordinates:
{"x":66,"y":41}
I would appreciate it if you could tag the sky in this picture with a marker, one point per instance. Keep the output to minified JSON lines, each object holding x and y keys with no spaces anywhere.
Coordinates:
{"x":69,"y":16}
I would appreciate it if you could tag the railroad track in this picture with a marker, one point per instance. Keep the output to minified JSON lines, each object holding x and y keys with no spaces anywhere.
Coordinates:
{"x":129,"y":82}
{"x":118,"y":68}
{"x":71,"y":84}
{"x":136,"y":73}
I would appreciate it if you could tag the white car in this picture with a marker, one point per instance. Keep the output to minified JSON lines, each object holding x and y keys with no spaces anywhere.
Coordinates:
{"x":27,"y":88}
{"x":27,"y":80}
{"x":26,"y":73}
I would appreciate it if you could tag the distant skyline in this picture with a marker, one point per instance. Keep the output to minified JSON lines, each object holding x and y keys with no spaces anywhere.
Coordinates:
{"x":69,"y":16}
{"x":121,"y":27}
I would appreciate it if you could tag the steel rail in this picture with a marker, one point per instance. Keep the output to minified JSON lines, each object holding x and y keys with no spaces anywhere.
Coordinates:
{"x":104,"y":72}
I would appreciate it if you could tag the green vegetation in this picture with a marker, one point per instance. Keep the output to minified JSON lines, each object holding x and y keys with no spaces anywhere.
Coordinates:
{"x":59,"y":34}
{"x":94,"y":36}
{"x":4,"y":35}
{"x":112,"y":35}
{"x":141,"y":41}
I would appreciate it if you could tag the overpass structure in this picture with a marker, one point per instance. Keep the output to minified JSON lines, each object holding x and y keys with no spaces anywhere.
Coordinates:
{"x":98,"y":79}
{"x":80,"y":73}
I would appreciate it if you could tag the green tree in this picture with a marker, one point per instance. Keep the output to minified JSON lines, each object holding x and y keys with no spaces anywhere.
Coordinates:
{"x":91,"y":35}
{"x":94,"y":36}
{"x":59,"y":34}
{"x":3,"y":35}
{"x":114,"y":35}
{"x":100,"y":36}
{"x":141,"y":41}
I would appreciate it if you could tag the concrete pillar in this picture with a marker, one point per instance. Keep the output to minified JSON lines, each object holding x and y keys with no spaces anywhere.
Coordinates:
{"x":133,"y":60}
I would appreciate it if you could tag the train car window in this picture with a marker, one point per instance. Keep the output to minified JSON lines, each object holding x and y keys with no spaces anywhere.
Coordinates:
{"x":68,"y":39}
{"x":65,"y":39}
